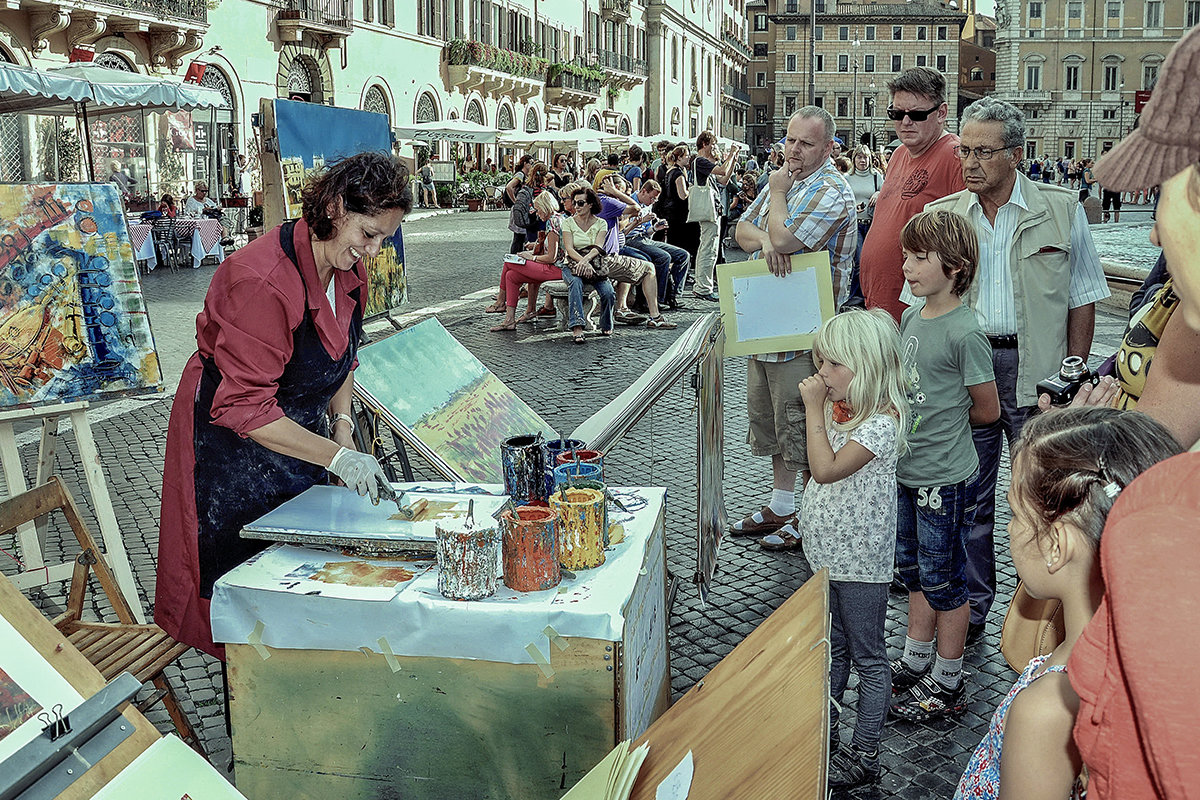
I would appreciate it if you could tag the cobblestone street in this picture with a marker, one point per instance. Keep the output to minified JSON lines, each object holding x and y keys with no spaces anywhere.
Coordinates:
{"x":450,"y":257}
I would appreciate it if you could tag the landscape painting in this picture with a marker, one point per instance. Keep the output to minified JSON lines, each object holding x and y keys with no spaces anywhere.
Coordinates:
{"x":311,"y":136}
{"x":452,"y":403}
{"x":73,"y":321}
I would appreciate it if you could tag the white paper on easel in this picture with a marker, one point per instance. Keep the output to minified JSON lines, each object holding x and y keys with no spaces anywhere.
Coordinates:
{"x":677,"y":785}
{"x":169,"y":769}
{"x":28,"y":687}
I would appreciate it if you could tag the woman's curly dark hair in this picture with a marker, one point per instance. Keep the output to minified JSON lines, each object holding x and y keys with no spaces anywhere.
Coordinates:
{"x":366,"y":183}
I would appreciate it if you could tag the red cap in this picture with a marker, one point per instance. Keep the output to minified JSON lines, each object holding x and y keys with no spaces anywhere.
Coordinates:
{"x":1168,"y":139}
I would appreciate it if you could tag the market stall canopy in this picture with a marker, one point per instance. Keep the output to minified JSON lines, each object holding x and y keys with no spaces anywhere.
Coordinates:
{"x":583,"y":139}
{"x":23,"y":89}
{"x":450,"y":130}
{"x":60,"y":89}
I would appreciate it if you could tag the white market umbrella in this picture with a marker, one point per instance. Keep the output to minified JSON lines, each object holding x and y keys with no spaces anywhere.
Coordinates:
{"x":118,"y":90}
{"x":450,"y":130}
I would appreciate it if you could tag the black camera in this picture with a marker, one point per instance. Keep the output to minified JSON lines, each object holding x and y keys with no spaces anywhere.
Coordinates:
{"x":1071,"y":375}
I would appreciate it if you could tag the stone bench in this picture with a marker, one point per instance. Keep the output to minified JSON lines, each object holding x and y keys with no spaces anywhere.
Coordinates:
{"x":558,"y":291}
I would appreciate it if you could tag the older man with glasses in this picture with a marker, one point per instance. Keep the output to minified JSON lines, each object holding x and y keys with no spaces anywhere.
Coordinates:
{"x":921,"y":171}
{"x":1034,"y":295}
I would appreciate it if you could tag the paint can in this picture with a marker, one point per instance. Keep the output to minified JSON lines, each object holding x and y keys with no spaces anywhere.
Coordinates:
{"x":553,"y":448}
{"x":529,"y":545}
{"x":467,"y":560}
{"x":590,"y":472}
{"x":523,"y":461}
{"x":580,"y":539}
{"x":585,"y":483}
{"x":584,"y":457}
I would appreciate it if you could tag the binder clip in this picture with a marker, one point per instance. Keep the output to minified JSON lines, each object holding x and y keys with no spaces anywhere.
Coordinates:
{"x":55,"y":726}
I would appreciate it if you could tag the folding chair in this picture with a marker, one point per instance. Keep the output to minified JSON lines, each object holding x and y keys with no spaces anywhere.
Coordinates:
{"x":124,"y":646}
{"x":166,"y":242}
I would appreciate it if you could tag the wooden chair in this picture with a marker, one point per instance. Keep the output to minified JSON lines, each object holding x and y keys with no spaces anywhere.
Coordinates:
{"x":124,"y":646}
{"x":166,"y":243}
{"x":494,"y":195}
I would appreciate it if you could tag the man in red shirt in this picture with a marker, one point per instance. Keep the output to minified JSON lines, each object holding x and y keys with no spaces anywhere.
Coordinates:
{"x":926,"y":168}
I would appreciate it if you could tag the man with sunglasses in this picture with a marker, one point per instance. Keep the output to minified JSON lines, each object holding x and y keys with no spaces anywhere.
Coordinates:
{"x":924,"y":169}
{"x":1038,"y":280}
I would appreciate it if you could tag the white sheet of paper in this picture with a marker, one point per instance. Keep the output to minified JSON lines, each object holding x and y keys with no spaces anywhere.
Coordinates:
{"x":677,"y":785}
{"x":169,"y":769}
{"x":25,"y":666}
{"x":768,"y":306}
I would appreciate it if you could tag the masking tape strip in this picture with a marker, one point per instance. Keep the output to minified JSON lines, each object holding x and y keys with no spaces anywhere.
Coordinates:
{"x":542,"y":662}
{"x":388,"y":655}
{"x":557,"y":640}
{"x":255,"y":640}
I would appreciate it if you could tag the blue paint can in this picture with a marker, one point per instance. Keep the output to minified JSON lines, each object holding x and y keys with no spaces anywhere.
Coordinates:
{"x":553,"y":448}
{"x":581,"y":471}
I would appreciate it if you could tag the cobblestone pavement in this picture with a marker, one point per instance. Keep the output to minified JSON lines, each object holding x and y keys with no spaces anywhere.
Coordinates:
{"x":454,"y":256}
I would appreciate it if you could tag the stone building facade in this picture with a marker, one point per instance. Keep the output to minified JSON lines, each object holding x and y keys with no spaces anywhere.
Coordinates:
{"x":1081,"y":69}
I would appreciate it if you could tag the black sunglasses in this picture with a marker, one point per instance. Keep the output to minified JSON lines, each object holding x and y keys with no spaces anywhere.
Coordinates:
{"x":915,"y":115}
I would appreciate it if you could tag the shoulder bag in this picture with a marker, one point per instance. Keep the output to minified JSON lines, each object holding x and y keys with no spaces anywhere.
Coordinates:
{"x":599,"y":267}
{"x":1032,"y":628}
{"x":702,"y":206}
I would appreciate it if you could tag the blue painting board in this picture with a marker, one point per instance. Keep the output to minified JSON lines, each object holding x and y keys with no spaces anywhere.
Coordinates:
{"x":432,"y":385}
{"x":73,"y":321}
{"x":311,"y":136}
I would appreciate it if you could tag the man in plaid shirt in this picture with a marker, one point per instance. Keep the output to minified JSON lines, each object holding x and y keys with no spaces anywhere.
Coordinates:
{"x":808,"y":207}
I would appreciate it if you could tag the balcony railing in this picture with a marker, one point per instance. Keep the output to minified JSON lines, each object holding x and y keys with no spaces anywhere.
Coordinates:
{"x":330,"y":14}
{"x":617,"y":10}
{"x":570,"y":80}
{"x":737,"y":44}
{"x":467,"y":52}
{"x":737,"y":93}
{"x":194,"y":10}
{"x":625,"y":63}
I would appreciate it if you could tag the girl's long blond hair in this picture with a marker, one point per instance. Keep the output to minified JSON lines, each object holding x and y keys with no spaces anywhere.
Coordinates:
{"x":868,"y":343}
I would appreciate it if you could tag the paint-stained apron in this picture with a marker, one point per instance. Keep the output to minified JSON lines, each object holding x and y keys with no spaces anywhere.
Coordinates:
{"x":236,"y":480}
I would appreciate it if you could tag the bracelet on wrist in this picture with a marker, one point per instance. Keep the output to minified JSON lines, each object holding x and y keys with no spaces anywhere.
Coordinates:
{"x":336,"y":418}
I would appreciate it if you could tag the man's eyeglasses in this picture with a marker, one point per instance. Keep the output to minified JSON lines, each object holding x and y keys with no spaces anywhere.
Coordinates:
{"x":981,"y":153}
{"x":916,"y":115}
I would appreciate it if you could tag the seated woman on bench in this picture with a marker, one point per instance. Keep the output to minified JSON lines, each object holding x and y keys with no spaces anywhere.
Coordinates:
{"x":538,"y":267}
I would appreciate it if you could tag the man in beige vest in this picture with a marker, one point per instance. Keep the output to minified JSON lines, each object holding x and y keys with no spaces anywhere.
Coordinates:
{"x":1038,"y":280}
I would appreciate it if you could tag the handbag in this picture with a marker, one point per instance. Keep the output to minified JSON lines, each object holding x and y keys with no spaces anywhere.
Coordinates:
{"x":1031,"y":628}
{"x":702,"y":206}
{"x":599,"y":267}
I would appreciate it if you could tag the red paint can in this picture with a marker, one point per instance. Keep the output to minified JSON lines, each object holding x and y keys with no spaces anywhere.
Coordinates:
{"x":529,"y":547}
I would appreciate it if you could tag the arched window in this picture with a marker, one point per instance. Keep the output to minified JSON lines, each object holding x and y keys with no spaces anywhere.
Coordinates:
{"x":623,"y":126}
{"x":594,"y":123}
{"x":426,"y":108}
{"x":376,"y":101}
{"x":504,"y":118}
{"x":113,"y":61}
{"x":474,"y":113}
{"x":674,"y":59}
{"x":569,"y":121}
{"x":300,"y":80}
{"x":532,"y":125}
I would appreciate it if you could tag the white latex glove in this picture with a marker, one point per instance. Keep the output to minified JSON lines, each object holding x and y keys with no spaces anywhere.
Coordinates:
{"x":359,"y":471}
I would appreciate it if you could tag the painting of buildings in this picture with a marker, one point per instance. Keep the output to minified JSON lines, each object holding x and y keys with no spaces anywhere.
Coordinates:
{"x":73,"y":322}
{"x":450,"y":400}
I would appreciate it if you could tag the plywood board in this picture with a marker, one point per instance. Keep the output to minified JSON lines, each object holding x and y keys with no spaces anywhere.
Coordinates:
{"x":73,"y":322}
{"x":758,"y":723}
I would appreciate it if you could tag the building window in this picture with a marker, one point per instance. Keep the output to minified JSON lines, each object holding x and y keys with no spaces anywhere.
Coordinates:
{"x":1035,"y":9}
{"x":760,"y":22}
{"x":843,"y":63}
{"x":819,"y":101}
{"x":868,"y":106}
{"x":789,"y":33}
{"x":375,"y":101}
{"x":760,"y":114}
{"x":789,"y":62}
{"x":760,"y":49}
{"x":674,"y":59}
{"x":1072,"y":79}
{"x":1074,"y":9}
{"x":1192,"y":13}
{"x":1112,"y":77}
{"x":869,"y":63}
{"x":897,"y":33}
{"x":1033,"y":77}
{"x":922,"y":33}
{"x":760,"y":79}
{"x":789,"y":104}
{"x":976,"y":74}
{"x":819,"y":33}
{"x":843,"y":106}
{"x":532,"y":123}
{"x":1113,"y":9}
{"x":941,"y":64}
{"x":1154,"y":13}
{"x":819,"y":63}
{"x":896,"y":63}
{"x":870,"y":33}
{"x":942,"y":33}
{"x":843,"y":33}
{"x":1071,"y":113}
{"x":922,"y":60}
{"x":1033,"y":113}
{"x":792,"y":6}
{"x":1108,"y":113}
{"x":1149,"y":75}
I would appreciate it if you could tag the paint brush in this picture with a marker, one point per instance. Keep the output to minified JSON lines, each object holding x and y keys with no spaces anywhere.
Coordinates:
{"x":387,"y":492}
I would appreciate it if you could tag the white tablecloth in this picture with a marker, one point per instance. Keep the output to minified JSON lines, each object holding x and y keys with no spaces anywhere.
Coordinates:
{"x":261,"y":600}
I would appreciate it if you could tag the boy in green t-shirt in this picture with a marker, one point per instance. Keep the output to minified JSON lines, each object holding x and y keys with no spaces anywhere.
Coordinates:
{"x":949,"y":363}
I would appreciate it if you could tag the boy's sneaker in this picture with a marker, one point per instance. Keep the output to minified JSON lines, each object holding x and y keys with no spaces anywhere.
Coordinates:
{"x":928,"y":700}
{"x":905,"y":677}
{"x":850,"y":767}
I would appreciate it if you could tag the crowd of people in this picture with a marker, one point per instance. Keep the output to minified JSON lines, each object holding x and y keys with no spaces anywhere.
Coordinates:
{"x":979,"y":277}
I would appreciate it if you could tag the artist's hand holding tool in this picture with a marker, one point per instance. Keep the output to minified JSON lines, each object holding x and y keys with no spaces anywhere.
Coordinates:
{"x":360,"y":472}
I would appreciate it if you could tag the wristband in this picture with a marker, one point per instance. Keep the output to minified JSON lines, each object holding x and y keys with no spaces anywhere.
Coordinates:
{"x":336,"y":418}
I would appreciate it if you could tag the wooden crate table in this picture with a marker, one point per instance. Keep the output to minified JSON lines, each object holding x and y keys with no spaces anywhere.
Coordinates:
{"x":341,"y":694}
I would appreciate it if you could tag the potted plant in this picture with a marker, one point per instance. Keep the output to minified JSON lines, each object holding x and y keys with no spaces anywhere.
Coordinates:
{"x":474,"y":189}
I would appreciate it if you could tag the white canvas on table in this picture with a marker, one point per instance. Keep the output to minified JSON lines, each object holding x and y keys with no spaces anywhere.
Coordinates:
{"x":39,"y":684}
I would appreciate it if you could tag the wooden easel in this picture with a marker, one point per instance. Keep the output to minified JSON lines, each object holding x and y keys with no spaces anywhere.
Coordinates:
{"x":31,"y":540}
